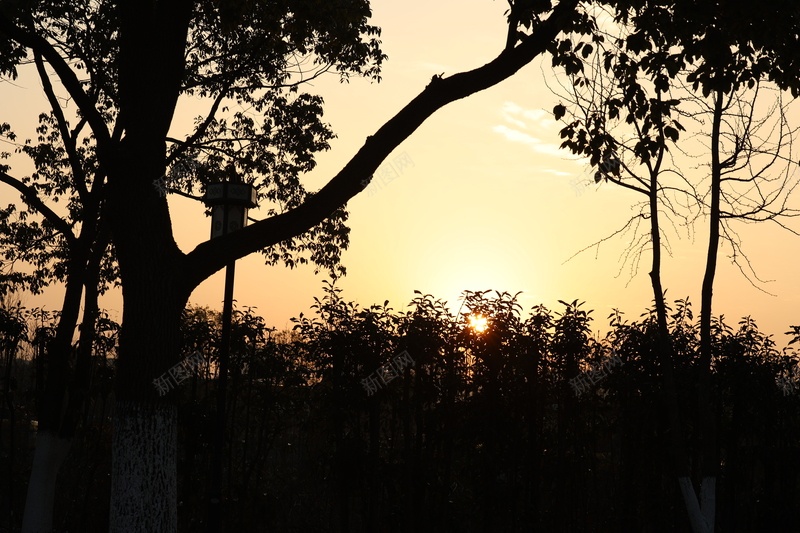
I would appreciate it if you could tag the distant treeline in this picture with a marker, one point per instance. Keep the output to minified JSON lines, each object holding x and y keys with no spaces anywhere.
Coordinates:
{"x":372,"y":420}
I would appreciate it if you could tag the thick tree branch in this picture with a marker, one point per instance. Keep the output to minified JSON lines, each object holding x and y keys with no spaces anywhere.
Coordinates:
{"x":68,"y":78}
{"x":78,"y":176}
{"x":33,"y":199}
{"x":211,"y":256}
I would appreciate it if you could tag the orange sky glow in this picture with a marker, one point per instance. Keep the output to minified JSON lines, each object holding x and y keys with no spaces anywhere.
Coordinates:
{"x":480,"y":197}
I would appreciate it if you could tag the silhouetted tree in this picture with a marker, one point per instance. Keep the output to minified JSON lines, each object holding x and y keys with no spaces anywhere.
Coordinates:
{"x":652,"y":69}
{"x":137,"y":61}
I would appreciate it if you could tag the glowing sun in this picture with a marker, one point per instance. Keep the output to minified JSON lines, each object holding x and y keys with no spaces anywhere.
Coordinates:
{"x":478,"y":323}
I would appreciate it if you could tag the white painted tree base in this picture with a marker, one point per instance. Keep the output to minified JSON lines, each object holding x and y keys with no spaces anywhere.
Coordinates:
{"x":51,"y":450}
{"x":143,"y":469}
{"x":701,"y":518}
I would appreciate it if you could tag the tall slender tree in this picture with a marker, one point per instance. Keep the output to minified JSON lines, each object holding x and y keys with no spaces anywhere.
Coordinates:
{"x":710,"y":56}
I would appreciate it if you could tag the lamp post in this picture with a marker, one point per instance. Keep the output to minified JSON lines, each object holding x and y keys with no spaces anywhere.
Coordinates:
{"x":229,"y":202}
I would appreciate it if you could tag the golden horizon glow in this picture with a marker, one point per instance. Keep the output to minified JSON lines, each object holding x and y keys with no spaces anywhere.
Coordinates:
{"x":478,"y":323}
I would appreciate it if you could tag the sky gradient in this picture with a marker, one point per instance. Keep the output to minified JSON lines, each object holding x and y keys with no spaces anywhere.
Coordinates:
{"x":481,"y":197}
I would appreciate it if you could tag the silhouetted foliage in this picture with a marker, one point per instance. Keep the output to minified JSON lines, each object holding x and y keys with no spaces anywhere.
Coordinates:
{"x":483,"y":432}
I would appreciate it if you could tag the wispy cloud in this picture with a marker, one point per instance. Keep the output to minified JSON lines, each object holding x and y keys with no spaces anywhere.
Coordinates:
{"x":555,"y":172}
{"x":519,"y":116}
{"x":518,"y":136}
{"x":526,"y":126}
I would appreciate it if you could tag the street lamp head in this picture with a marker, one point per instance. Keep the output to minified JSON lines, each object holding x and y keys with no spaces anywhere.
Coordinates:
{"x":228,"y":193}
{"x":229,"y":202}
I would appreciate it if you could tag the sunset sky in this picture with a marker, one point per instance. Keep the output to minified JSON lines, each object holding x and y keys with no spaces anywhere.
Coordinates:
{"x":482,"y":198}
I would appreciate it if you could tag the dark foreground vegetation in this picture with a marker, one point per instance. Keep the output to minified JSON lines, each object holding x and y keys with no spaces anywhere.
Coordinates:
{"x":477,"y":431}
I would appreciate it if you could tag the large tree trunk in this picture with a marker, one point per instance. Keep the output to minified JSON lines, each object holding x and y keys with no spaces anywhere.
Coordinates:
{"x":144,"y":454}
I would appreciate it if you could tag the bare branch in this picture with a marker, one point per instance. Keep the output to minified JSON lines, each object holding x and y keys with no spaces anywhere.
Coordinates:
{"x":78,"y":176}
